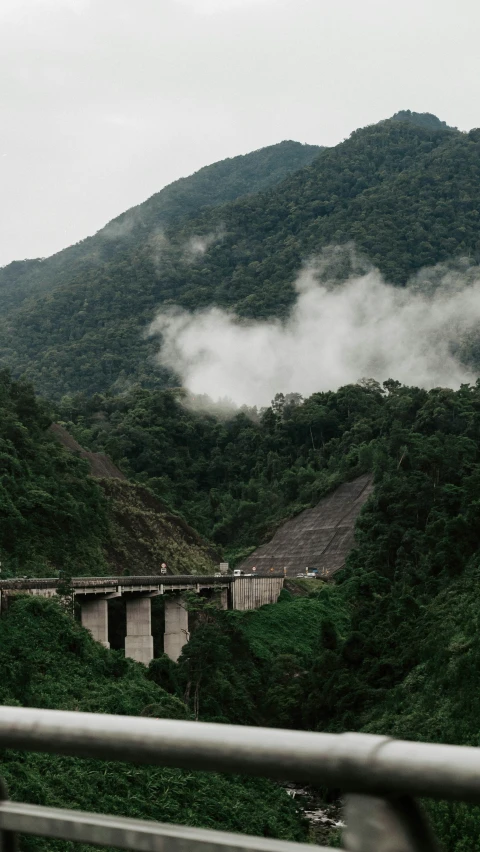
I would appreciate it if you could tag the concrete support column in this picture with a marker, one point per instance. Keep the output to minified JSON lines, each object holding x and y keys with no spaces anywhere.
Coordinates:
{"x":176,"y":627}
{"x":221,"y":599}
{"x":95,"y":619}
{"x":139,"y":639}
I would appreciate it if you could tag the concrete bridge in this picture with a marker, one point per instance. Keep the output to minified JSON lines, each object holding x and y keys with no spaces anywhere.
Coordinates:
{"x":93,"y":594}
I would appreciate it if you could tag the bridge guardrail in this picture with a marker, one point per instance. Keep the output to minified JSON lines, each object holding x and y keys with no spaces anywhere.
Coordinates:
{"x":379,"y":775}
{"x":19,"y":583}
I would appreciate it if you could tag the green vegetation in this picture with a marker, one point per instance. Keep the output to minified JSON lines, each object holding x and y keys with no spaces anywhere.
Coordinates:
{"x":211,"y":186}
{"x":53,"y":516}
{"x":143,"y":533}
{"x":56,"y":518}
{"x":250,"y":668}
{"x":108,"y":286}
{"x":47,"y":660}
{"x":393,"y":646}
{"x":234,"y":479}
{"x":421,"y":119}
{"x":406,"y":192}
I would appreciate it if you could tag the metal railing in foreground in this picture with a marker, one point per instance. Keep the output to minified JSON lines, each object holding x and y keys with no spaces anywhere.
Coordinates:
{"x":379,"y":776}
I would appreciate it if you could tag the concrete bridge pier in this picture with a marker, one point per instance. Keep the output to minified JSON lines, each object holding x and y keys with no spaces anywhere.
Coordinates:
{"x":176,"y":626}
{"x":95,"y":618}
{"x":221,"y":598}
{"x":244,"y":592}
{"x":139,"y":639}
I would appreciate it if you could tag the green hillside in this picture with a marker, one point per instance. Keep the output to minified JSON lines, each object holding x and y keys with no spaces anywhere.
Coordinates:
{"x":46,"y":660}
{"x":53,"y":516}
{"x":234,"y":479}
{"x":422,"y":119}
{"x":56,"y":517}
{"x":405,"y":194}
{"x":392,"y":647}
{"x":213,"y":185}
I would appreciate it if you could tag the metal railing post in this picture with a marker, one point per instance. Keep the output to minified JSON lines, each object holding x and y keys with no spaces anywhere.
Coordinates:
{"x":386,"y":825}
{"x":382,"y":777}
{"x":8,"y":840}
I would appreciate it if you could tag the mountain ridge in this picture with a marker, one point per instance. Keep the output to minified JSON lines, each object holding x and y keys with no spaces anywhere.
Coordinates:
{"x":421,"y":119}
{"x":213,"y":184}
{"x":408,"y":196}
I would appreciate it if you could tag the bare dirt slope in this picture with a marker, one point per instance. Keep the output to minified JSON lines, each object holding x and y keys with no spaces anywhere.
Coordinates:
{"x":316,"y":538}
{"x":100,"y":464}
{"x":143,"y":531}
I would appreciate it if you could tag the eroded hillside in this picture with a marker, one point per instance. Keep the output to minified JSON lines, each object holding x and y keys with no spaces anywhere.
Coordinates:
{"x":142,"y":532}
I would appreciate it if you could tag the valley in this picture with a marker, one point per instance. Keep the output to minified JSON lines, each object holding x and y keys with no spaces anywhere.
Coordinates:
{"x":111,"y":466}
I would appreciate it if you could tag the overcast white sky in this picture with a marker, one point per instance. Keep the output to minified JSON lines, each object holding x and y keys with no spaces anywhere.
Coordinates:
{"x":106,"y":101}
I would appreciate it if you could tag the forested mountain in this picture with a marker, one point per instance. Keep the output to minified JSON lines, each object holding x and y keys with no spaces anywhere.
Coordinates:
{"x":406,"y":194}
{"x":422,"y":119}
{"x":53,"y":516}
{"x":213,"y":185}
{"x":393,"y":646}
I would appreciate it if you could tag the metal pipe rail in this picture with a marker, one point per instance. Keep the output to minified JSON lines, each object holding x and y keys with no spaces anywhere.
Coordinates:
{"x":379,"y":774}
{"x":141,"y":835}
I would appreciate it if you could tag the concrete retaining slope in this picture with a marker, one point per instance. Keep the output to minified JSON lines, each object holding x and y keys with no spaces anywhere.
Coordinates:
{"x":316,"y":538}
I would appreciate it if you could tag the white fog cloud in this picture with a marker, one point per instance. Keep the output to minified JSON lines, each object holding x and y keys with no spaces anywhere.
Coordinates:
{"x":198,"y":244}
{"x":334,"y":335}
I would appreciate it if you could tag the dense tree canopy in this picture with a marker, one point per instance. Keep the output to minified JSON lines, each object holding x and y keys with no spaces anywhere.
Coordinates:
{"x":53,"y":516}
{"x":392,"y":646}
{"x":236,"y":477}
{"x":406,"y":193}
{"x":47,"y":660}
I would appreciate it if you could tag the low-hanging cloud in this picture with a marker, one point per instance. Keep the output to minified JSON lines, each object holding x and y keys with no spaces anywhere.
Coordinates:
{"x":335,"y":334}
{"x":198,"y":244}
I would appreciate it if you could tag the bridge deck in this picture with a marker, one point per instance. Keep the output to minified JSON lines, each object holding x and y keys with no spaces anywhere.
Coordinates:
{"x":173,"y":580}
{"x":93,"y":593}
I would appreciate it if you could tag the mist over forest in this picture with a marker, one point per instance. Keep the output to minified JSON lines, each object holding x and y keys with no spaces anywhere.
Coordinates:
{"x":238,"y":346}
